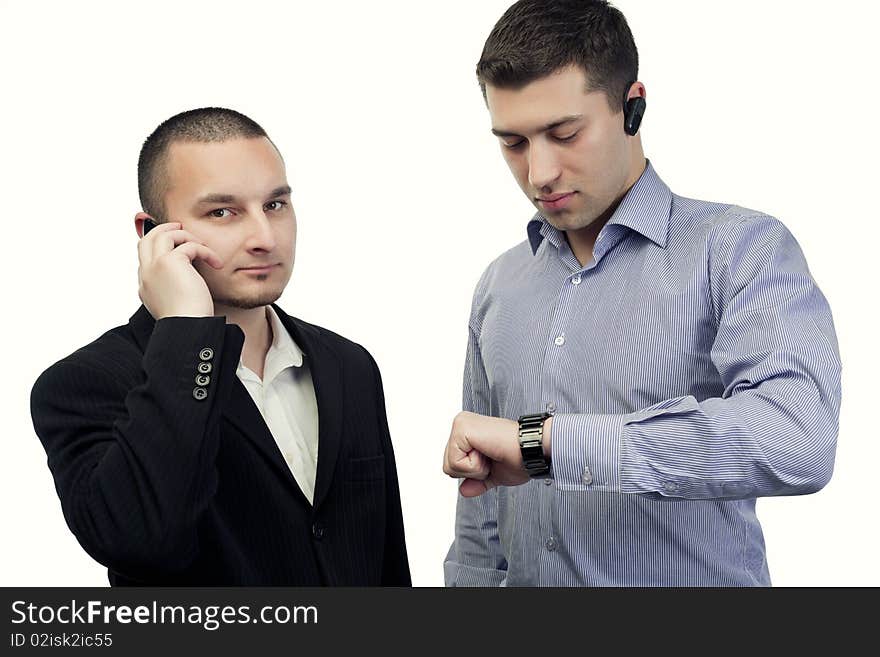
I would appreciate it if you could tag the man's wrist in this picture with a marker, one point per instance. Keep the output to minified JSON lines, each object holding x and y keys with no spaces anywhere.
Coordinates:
{"x":545,"y":442}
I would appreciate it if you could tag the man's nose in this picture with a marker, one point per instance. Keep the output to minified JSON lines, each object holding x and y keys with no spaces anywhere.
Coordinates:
{"x":262,"y":234}
{"x":544,"y":168}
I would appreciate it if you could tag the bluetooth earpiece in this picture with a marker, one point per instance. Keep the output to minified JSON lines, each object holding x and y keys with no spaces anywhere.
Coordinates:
{"x":633,"y":112}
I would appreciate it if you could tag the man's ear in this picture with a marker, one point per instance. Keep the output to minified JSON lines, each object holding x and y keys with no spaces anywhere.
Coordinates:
{"x":139,"y":220}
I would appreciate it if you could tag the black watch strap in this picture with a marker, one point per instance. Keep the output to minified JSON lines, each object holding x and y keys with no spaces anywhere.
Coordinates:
{"x":531,"y":444}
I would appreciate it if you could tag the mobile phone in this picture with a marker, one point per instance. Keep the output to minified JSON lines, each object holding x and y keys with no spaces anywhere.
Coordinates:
{"x":149,"y":225}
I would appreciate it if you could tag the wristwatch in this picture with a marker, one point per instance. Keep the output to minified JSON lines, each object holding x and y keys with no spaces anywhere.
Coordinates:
{"x":531,"y":443}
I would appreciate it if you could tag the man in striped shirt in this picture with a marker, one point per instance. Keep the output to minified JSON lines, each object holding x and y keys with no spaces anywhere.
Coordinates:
{"x":643,"y":366}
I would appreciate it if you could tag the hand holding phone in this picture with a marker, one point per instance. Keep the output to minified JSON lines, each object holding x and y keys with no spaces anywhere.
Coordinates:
{"x":168,"y":283}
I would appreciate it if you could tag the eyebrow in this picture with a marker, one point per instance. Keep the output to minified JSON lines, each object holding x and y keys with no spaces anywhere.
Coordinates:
{"x":546,"y":128}
{"x":284,"y":190}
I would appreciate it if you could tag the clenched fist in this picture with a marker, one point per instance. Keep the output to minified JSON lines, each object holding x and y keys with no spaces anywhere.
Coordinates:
{"x":485,"y":452}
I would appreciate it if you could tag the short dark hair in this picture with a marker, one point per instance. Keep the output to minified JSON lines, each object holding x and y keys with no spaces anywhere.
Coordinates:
{"x":206,"y":124}
{"x":535,"y":38}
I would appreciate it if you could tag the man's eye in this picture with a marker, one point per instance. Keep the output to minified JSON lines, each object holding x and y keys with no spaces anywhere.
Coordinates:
{"x":278,"y":205}
{"x":566,"y":138}
{"x":514,"y":145}
{"x":218,"y":213}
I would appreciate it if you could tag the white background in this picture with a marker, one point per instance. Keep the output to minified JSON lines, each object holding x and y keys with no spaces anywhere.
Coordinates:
{"x":403,"y":198}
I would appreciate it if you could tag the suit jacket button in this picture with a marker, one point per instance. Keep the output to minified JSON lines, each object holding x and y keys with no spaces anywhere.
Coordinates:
{"x":205,"y":368}
{"x":317,"y":531}
{"x":206,"y":353}
{"x":203,"y":379}
{"x":200,"y":393}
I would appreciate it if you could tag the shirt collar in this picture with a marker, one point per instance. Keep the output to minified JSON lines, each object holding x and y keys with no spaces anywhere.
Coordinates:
{"x":645,"y":209}
{"x":282,"y":353}
{"x":282,"y":342}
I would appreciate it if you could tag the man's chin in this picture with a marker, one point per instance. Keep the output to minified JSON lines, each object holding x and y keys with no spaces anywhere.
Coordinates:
{"x":568,"y":221}
{"x":248,"y":302}
{"x":561,"y":220}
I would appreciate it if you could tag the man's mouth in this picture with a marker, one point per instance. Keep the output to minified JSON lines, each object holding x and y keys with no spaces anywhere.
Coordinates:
{"x":555,"y":201}
{"x":259,"y":269}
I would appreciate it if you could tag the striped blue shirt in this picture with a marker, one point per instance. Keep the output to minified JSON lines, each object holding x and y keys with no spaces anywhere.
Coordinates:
{"x":692,"y":366}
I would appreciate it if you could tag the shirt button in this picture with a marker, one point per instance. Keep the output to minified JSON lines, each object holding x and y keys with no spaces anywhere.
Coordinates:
{"x":203,"y":379}
{"x":587,"y":477}
{"x":551,"y":544}
{"x":559,"y":341}
{"x":670,"y":486}
{"x":576,"y":280}
{"x":206,"y":353}
{"x":205,"y":368}
{"x":200,"y":393}
{"x":548,"y":482}
{"x":550,"y":407}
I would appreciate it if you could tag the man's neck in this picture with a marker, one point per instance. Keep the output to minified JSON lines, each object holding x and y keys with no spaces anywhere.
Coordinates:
{"x":583,"y":241}
{"x":254,"y":323}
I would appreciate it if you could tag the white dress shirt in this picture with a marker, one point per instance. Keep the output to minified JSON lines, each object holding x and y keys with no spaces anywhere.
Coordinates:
{"x":286,"y":400}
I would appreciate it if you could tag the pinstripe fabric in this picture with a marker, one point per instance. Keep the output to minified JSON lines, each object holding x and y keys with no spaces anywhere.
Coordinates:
{"x":692,"y":367}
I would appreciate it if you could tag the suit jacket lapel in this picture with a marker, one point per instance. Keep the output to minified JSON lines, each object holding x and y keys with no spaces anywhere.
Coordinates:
{"x":326,"y":371}
{"x":243,"y":413}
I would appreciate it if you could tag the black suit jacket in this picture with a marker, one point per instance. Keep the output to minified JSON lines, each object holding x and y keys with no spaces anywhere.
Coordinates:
{"x":170,"y":481}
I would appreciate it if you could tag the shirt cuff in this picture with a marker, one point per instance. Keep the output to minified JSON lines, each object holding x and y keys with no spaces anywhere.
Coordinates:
{"x":585,"y":451}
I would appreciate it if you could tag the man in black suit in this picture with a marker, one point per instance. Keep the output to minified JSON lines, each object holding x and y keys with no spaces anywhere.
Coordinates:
{"x":215,"y":440}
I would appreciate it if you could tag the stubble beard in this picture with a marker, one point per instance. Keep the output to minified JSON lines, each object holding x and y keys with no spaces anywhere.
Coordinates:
{"x":248,"y":302}
{"x":566,"y":221}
